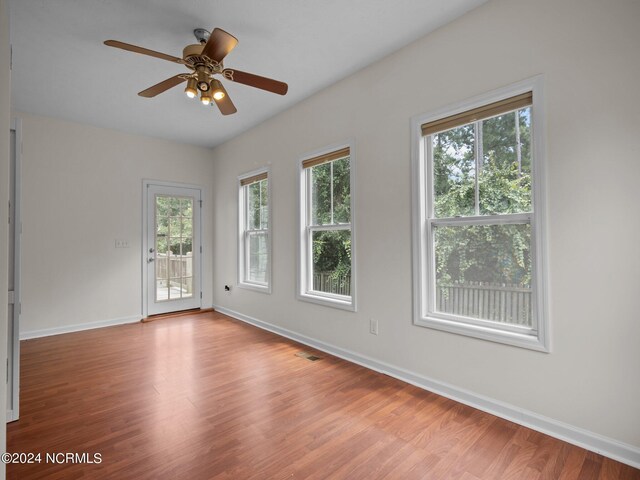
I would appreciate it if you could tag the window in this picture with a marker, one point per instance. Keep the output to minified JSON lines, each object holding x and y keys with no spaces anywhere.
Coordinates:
{"x":479,"y":216}
{"x":326,"y":236}
{"x":254,"y":252}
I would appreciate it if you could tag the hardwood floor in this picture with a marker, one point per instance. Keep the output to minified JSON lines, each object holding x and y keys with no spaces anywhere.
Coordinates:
{"x":204,"y":396}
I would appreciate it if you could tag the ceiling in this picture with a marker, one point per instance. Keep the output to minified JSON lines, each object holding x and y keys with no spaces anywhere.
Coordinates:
{"x":62,"y":69}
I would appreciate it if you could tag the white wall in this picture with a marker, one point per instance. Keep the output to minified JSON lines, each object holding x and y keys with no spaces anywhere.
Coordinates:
{"x":5,"y":110}
{"x":588,"y":54}
{"x":82,"y":190}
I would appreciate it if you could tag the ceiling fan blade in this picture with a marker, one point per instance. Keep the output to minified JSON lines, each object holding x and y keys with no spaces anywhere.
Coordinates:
{"x":143,"y":51}
{"x":225,"y":104}
{"x":256,"y":81}
{"x":220,"y":43}
{"x":162,"y":86}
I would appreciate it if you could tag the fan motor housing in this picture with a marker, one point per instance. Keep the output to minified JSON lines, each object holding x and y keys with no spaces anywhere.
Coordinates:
{"x":192,"y":54}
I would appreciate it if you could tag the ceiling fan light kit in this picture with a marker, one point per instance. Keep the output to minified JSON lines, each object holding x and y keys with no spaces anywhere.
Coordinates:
{"x":204,"y":60}
{"x":192,"y":88}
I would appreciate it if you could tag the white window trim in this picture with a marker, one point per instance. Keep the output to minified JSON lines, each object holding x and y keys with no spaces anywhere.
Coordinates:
{"x":423,"y":250}
{"x":304,"y":293}
{"x":241,"y":254}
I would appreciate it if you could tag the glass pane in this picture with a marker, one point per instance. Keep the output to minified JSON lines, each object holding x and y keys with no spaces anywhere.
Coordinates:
{"x":175,"y":226}
{"x":186,"y":207}
{"x":524,"y":117}
{"x":162,"y":274}
{"x":187,"y":265}
{"x":175,"y":290}
{"x":161,"y":244}
{"x":253,"y":206}
{"x":174,"y":245}
{"x":341,"y":191}
{"x":162,"y":290}
{"x":162,"y":226}
{"x":264,"y":204}
{"x":332,"y":261}
{"x":320,"y":194}
{"x":187,"y":231}
{"x":187,"y":287}
{"x":186,"y":247}
{"x":162,"y":206}
{"x":484,"y":271}
{"x":174,"y":206}
{"x":505,"y":173}
{"x":257,"y":258}
{"x":454,"y":172}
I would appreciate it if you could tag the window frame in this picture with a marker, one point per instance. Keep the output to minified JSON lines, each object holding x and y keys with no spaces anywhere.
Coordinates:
{"x":244,"y":232}
{"x":304,"y":291}
{"x":424,"y":314}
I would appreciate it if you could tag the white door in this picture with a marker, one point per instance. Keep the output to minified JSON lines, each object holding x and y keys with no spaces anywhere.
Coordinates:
{"x":172,"y":248}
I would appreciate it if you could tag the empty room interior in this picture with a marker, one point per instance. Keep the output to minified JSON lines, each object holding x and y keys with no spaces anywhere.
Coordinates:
{"x":326,"y":240}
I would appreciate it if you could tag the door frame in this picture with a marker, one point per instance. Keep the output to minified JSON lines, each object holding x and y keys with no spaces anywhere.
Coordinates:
{"x":146,"y":183}
{"x":13,"y":413}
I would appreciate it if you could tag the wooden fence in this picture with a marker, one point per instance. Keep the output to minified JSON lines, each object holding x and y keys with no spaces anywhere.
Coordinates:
{"x":325,"y":282}
{"x":488,"y":301}
{"x":174,"y":268}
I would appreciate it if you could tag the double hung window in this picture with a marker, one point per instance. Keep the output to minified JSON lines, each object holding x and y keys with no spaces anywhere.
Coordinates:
{"x":326,"y":243}
{"x":254,"y":259}
{"x":479,"y":245}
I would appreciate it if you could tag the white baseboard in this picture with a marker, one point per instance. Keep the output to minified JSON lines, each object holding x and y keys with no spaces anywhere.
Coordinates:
{"x":78,"y":327}
{"x":608,"y":447}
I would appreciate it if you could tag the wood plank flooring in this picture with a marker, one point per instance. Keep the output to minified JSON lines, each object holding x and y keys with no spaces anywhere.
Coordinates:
{"x":205,"y":396}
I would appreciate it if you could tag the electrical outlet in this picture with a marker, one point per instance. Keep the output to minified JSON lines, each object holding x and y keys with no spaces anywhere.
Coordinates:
{"x":118,"y":243}
{"x":373,"y":326}
{"x":122,"y":243}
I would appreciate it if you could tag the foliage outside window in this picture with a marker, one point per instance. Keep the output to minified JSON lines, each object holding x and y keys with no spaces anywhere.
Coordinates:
{"x":478,"y":223}
{"x":327,"y":252}
{"x":254,"y":245}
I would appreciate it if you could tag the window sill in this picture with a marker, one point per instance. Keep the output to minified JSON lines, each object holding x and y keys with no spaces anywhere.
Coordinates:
{"x":255,"y":287}
{"x":328,"y":301}
{"x":522,"y":340}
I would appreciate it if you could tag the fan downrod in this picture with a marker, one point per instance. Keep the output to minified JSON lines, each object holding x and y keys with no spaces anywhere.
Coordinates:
{"x":202,"y":35}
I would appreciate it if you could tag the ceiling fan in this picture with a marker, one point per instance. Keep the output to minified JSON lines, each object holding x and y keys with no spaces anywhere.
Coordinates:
{"x":204,"y":59}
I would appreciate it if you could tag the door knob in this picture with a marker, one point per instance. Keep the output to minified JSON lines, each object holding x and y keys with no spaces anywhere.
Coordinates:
{"x":151,"y":259}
